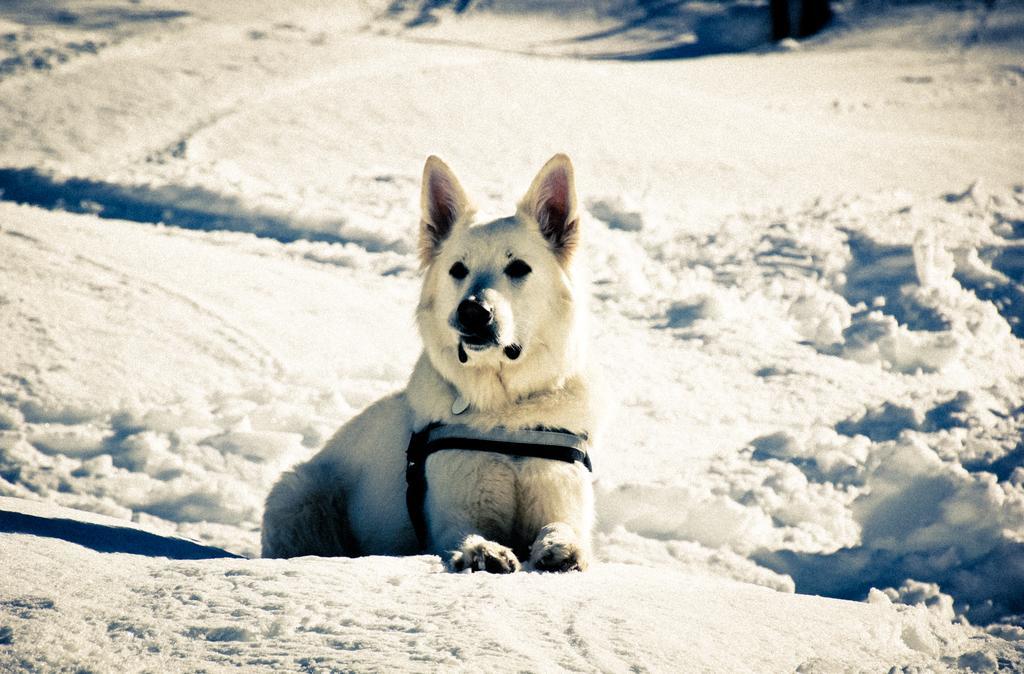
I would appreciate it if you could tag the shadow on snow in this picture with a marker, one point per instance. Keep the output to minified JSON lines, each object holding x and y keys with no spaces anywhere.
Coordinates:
{"x":104,"y":538}
{"x":185,"y":207}
{"x":643,"y":30}
{"x":97,"y":16}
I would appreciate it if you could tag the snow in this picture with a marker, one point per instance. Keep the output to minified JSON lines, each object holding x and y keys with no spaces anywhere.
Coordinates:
{"x":101,"y":610}
{"x":808,"y":273}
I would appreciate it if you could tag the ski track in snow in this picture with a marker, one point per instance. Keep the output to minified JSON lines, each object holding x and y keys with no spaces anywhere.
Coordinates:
{"x":816,"y":393}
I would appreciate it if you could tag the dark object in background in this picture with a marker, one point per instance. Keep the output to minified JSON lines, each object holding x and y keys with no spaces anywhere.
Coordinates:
{"x":807,"y":16}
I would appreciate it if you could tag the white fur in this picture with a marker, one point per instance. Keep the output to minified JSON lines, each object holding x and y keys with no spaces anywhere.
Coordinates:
{"x":484,"y":511}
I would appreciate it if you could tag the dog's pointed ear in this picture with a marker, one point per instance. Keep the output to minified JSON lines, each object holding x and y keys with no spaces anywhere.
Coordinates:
{"x":551,"y":201}
{"x":443,"y":203}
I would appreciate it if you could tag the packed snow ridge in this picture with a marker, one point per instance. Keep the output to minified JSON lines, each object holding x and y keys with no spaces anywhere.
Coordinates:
{"x":808,"y":288}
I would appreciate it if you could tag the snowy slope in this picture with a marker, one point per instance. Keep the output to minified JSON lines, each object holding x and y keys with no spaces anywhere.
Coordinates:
{"x":808,"y":274}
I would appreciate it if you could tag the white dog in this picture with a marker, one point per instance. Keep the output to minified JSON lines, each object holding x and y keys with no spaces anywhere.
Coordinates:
{"x":502,"y":319}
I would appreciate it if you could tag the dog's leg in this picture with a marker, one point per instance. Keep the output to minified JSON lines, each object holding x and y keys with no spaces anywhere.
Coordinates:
{"x":558,"y":513}
{"x":470,"y":505}
{"x":559,"y":548}
{"x":476,"y":553}
{"x":306,"y":515}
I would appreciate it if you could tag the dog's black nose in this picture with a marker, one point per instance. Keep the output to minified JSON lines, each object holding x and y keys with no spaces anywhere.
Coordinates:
{"x":473,"y":316}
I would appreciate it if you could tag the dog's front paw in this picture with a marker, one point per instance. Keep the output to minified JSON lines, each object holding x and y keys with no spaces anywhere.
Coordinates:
{"x":557,"y":548}
{"x":479,"y":554}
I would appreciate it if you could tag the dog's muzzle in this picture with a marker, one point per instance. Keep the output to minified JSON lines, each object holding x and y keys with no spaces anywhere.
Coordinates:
{"x":475,"y":322}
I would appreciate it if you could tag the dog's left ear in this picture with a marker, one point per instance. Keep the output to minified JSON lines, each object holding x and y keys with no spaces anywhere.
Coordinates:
{"x":551,"y":201}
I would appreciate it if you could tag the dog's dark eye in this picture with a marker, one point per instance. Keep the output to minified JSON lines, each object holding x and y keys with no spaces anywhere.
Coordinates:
{"x":459,"y":271}
{"x":517,"y":269}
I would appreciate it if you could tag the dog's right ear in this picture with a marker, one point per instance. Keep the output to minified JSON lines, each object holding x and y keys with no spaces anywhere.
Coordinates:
{"x":443,"y":204}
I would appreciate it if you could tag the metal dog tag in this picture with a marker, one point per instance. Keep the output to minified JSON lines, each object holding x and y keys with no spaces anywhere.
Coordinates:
{"x":460,"y":405}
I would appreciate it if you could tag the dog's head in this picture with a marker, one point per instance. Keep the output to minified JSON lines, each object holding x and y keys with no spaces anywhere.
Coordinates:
{"x":500,"y":295}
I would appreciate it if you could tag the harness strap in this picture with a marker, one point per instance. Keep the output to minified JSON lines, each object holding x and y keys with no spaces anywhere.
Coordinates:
{"x":541,"y":444}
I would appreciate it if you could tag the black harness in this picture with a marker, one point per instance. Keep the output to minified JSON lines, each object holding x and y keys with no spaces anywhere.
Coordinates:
{"x":556,"y":445}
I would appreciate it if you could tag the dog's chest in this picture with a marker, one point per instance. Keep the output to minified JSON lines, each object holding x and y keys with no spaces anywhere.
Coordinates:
{"x":507,"y":482}
{"x":477,"y":469}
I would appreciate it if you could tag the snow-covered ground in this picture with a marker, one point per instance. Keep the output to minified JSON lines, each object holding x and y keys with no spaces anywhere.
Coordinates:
{"x":808,"y":269}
